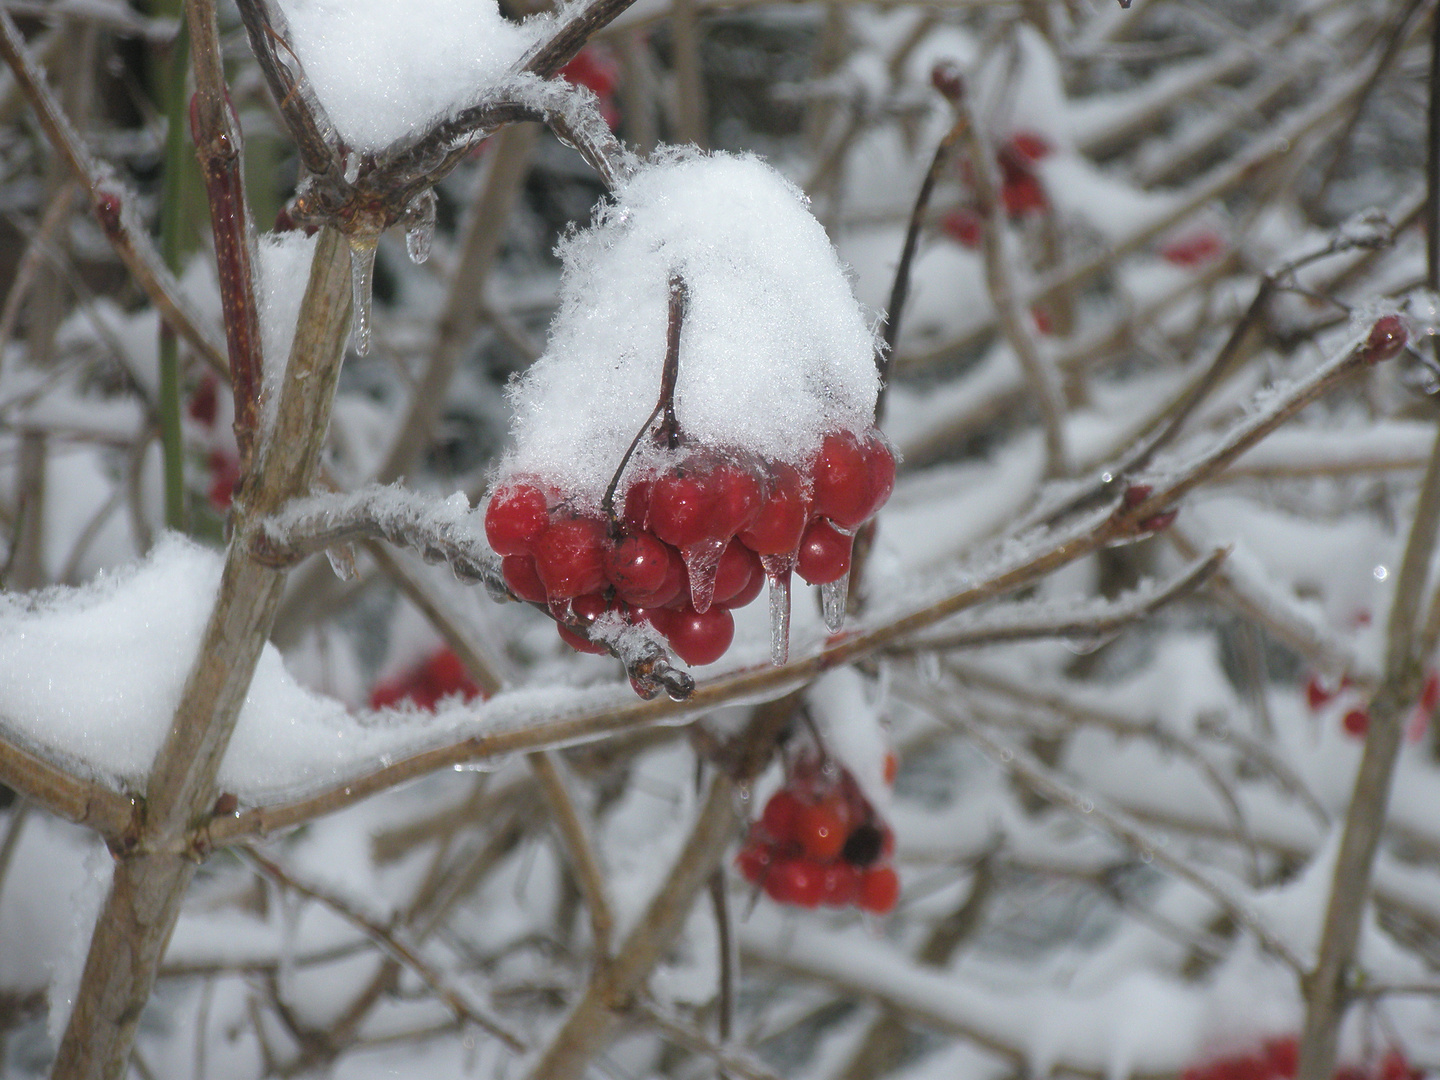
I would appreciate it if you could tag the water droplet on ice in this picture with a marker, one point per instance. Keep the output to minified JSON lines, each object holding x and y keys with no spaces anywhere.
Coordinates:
{"x":701,"y":562}
{"x":777,"y":569}
{"x":362,"y":273}
{"x":833,"y":595}
{"x":419,"y":222}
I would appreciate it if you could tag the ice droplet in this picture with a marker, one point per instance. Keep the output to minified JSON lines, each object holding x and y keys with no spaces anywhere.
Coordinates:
{"x":420,"y":226}
{"x":701,"y":562}
{"x":777,"y":569}
{"x":833,"y":595}
{"x":342,"y":561}
{"x":362,"y":273}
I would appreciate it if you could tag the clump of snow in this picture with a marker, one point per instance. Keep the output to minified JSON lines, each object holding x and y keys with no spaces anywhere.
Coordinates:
{"x":384,"y":70}
{"x":774,"y":352}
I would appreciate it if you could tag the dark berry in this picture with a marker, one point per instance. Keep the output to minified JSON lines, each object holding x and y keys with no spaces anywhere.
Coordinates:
{"x":863,"y":846}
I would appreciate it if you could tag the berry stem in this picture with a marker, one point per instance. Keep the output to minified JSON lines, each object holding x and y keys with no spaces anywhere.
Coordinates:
{"x":669,"y":430}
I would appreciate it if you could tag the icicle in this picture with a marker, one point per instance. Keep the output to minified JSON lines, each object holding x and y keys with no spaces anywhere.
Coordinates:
{"x":833,"y":595}
{"x":420,"y":226}
{"x":342,"y":561}
{"x":777,"y":569}
{"x":701,"y":562}
{"x":362,"y":271}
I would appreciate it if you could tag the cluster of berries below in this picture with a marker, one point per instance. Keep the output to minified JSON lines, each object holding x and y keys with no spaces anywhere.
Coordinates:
{"x":1279,"y":1059}
{"x":1356,"y":720}
{"x":692,"y":542}
{"x":438,"y":676}
{"x":819,"y":841}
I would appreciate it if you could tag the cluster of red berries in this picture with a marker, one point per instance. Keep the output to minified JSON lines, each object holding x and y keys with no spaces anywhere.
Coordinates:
{"x":1193,"y":249}
{"x":692,"y":542}
{"x":1279,"y":1059}
{"x":1356,"y":720}
{"x":1021,"y":193}
{"x":819,"y":841}
{"x":438,"y":676}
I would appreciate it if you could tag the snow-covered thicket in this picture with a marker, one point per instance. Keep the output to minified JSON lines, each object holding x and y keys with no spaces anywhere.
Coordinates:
{"x":1134,"y":693}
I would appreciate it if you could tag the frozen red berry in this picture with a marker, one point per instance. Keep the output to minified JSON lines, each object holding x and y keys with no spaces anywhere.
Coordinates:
{"x":781,"y":518}
{"x":569,"y":558}
{"x":824,"y":553}
{"x":515,"y":519}
{"x":700,"y":637}
{"x":636,"y":565}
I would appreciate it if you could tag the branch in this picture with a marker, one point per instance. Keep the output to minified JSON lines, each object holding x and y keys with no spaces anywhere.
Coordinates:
{"x":391,"y":943}
{"x":113,"y":202}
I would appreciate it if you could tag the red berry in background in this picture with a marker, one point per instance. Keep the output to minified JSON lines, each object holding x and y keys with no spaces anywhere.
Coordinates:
{"x":595,"y":68}
{"x":515,"y":519}
{"x":700,"y":637}
{"x":781,"y":815}
{"x":1387,"y":337}
{"x":839,"y":884}
{"x":824,"y":553}
{"x":891,"y":768}
{"x":439,"y":676}
{"x":519,"y":573}
{"x":570,"y":558}
{"x":795,"y":881}
{"x":822,"y":831}
{"x":1430,"y":692}
{"x":224,"y":475}
{"x":204,"y":403}
{"x":1194,"y":249}
{"x":1356,"y":723}
{"x":1027,"y":146}
{"x":1282,"y":1056}
{"x":636,"y":565}
{"x":879,"y":890}
{"x":753,"y":862}
{"x":964,"y":226}
{"x":1317,"y":694}
{"x":1022,"y":194}
{"x":781,"y":519}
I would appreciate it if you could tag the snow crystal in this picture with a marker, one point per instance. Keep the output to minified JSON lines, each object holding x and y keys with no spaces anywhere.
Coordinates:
{"x":774,"y":350}
{"x":383,"y":70}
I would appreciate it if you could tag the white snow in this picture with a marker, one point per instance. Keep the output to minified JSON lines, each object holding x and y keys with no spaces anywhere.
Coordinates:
{"x":384,"y":71}
{"x":284,"y":272}
{"x":774,"y":351}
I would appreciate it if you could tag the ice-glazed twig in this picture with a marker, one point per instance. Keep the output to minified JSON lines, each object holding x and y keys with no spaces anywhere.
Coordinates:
{"x":1000,"y":258}
{"x":442,"y":530}
{"x":1327,"y":992}
{"x":691,"y":1038}
{"x":1044,"y":782}
{"x":391,"y":943}
{"x":1094,"y":622}
{"x":113,"y":203}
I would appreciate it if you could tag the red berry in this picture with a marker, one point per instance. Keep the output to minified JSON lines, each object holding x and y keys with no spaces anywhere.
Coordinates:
{"x":879,"y":890}
{"x":881,"y":461}
{"x":224,"y":475}
{"x":737,"y":566}
{"x":824,"y":553}
{"x":680,"y":505}
{"x":781,"y":815}
{"x":1022,"y":194}
{"x":795,"y":881}
{"x":822,"y":831}
{"x":781,"y":519}
{"x":1430,"y":692}
{"x":673,"y":591}
{"x":839,"y":883}
{"x":1317,"y":694}
{"x":1356,"y":723}
{"x":636,"y":565}
{"x":964,"y":226}
{"x":519,"y":573}
{"x":570,"y":558}
{"x":1192,"y":250}
{"x":1387,"y":337}
{"x":1028,"y":146}
{"x":700,"y":638}
{"x":753,"y":862}
{"x":747,"y":594}
{"x":637,"y":505}
{"x":205,"y":401}
{"x":577,"y":642}
{"x":515,"y":519}
{"x":448,"y":675}
{"x":842,"y":480}
{"x":737,"y":496}
{"x":1282,"y":1056}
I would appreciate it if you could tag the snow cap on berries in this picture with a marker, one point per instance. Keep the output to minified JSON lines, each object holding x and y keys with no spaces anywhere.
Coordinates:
{"x":774,"y":351}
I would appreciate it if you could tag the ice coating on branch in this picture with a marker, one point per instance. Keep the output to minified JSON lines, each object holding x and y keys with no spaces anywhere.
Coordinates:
{"x":774,"y":351}
{"x":384,"y":70}
{"x":284,"y":273}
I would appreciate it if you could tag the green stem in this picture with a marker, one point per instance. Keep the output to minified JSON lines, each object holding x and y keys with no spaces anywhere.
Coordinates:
{"x":172,"y":247}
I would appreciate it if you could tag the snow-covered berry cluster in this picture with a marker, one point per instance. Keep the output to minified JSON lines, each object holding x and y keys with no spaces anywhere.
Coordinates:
{"x":819,"y":842}
{"x":694,"y":541}
{"x":702,"y":420}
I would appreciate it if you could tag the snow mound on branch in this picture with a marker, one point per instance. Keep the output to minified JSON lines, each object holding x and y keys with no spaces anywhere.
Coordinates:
{"x":385,"y":70}
{"x":90,"y":678}
{"x":774,"y":351}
